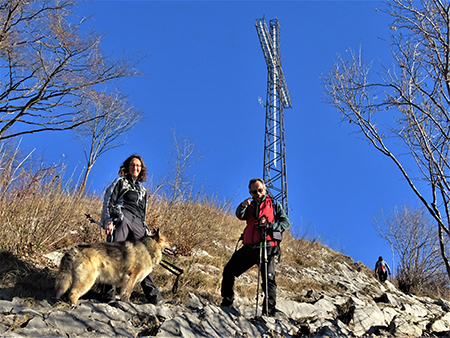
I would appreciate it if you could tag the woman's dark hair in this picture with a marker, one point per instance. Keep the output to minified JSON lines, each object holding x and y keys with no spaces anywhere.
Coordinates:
{"x":123,"y":171}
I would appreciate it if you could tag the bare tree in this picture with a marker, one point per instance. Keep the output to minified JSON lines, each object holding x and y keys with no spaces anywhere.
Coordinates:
{"x":109,"y":116}
{"x":412,"y":235}
{"x":180,"y":187}
{"x":409,"y":103}
{"x":45,"y":63}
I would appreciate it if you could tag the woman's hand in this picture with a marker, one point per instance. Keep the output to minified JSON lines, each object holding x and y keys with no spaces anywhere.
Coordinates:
{"x":109,"y":228}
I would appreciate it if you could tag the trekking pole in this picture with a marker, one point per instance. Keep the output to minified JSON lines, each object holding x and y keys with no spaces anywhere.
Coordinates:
{"x":109,"y":238}
{"x":171,"y":268}
{"x":259,"y":272}
{"x":266,"y":291}
{"x":92,"y":220}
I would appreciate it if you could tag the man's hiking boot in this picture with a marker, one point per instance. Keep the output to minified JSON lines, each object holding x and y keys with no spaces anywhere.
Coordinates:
{"x":273,"y":313}
{"x":226,"y":303}
{"x":227,"y":306}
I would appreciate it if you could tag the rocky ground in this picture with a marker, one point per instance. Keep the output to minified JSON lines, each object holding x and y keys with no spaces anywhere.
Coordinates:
{"x":353,"y":304}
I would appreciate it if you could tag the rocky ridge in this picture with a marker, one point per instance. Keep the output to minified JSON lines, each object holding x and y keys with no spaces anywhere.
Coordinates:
{"x":351,"y":304}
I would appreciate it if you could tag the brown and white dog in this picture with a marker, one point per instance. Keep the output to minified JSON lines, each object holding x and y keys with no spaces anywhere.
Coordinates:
{"x":123,"y":264}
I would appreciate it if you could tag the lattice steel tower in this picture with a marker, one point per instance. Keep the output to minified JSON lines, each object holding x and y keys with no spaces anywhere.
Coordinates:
{"x":277,"y":98}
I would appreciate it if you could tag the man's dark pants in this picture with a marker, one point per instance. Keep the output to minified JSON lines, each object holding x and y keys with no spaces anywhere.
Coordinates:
{"x":240,"y":262}
{"x":131,"y":228}
{"x":382,"y":276}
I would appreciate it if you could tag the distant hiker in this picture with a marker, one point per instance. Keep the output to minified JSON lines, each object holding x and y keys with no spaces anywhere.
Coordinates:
{"x":382,"y":269}
{"x":262,"y":214}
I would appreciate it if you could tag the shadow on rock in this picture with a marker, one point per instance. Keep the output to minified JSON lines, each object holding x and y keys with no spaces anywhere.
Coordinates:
{"x":21,"y":279}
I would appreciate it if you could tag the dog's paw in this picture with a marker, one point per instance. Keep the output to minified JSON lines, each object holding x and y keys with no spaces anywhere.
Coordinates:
{"x":125,"y":300}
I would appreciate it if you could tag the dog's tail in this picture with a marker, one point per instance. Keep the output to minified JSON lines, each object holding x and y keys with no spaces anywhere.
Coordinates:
{"x":64,"y":277}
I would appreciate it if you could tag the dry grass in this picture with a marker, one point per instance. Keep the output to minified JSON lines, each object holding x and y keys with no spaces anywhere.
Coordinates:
{"x":40,"y":213}
{"x":193,"y":224}
{"x":37,"y":211}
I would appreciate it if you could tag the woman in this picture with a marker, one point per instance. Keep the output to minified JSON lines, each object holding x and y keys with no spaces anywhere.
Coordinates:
{"x":123,"y":216}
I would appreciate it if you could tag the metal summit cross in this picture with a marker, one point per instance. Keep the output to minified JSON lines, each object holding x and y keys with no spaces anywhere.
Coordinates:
{"x":277,"y":98}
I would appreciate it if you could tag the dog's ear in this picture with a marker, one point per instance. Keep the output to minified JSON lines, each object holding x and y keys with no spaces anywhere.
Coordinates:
{"x":155,"y":233}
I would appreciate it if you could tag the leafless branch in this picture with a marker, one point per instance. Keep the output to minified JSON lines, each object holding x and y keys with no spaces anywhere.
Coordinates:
{"x":410,"y":102}
{"x":108,"y":116}
{"x":46,"y":66}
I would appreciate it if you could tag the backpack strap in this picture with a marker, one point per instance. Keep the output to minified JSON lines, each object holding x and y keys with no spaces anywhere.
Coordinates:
{"x":277,"y":235}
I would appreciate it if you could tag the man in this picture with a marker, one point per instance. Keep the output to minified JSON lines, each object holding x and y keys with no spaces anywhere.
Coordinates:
{"x":263,"y":215}
{"x":382,"y":269}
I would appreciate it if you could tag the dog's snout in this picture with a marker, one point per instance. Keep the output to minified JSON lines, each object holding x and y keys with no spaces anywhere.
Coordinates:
{"x":170,"y":250}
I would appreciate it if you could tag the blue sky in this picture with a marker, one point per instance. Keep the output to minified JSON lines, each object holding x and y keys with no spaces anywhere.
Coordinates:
{"x":203,"y":74}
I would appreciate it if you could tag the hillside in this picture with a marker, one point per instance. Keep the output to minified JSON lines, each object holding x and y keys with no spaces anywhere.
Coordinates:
{"x":322,"y":293}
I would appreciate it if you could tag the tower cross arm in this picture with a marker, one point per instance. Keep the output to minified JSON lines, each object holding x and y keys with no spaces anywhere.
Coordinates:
{"x":270,"y":46}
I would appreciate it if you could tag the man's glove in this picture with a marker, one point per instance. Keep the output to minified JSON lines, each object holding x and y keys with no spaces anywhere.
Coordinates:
{"x":262,"y":222}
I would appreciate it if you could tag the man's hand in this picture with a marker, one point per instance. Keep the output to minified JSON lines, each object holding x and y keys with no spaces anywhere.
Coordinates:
{"x":246,"y":203}
{"x":262,"y":222}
